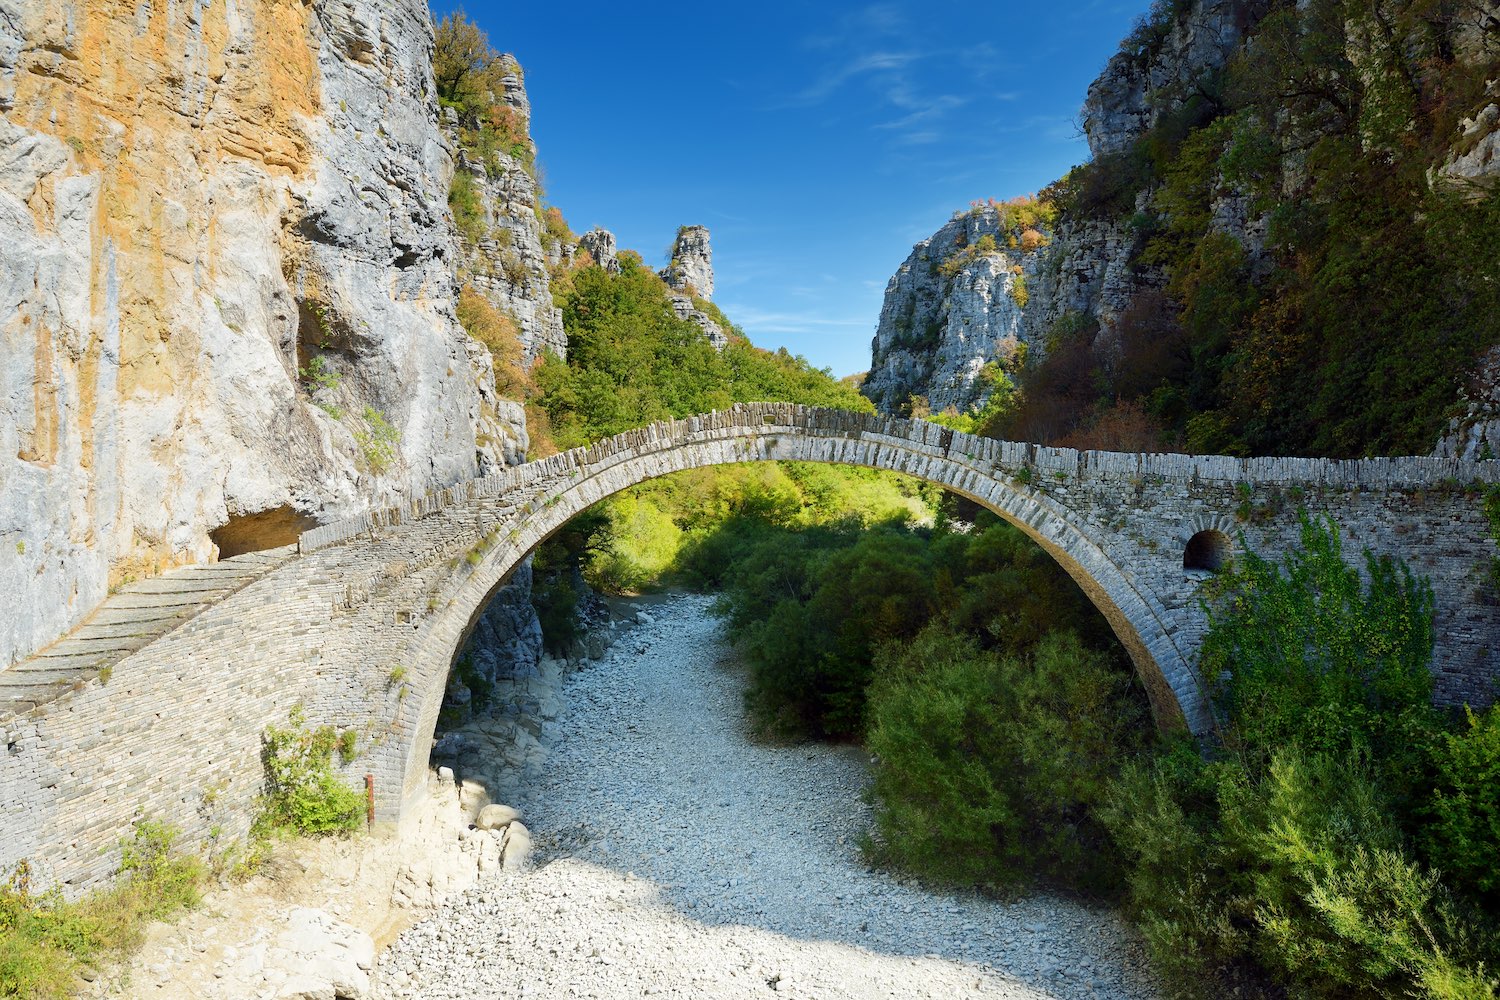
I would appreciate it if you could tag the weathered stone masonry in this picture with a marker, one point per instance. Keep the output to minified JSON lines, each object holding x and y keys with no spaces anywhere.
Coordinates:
{"x":363,"y":625}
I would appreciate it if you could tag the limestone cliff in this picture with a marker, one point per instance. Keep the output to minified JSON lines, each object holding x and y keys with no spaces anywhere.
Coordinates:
{"x":601,"y":246}
{"x":690,"y":274}
{"x":506,"y":256}
{"x":955,"y":305}
{"x":227,"y":287}
{"x":1185,"y":151}
{"x":938,"y":330}
{"x":691,"y":269}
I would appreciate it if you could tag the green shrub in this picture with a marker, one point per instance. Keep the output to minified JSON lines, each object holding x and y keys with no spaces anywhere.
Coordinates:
{"x":1297,"y":873}
{"x":304,"y":794}
{"x":318,"y":375}
{"x":1462,"y":834}
{"x":1162,"y":815}
{"x":1018,"y":292}
{"x":46,"y":942}
{"x":1288,"y":863}
{"x":468,"y":212}
{"x":377,"y":441}
{"x":1307,"y":652}
{"x":809,"y":608}
{"x":990,"y":766}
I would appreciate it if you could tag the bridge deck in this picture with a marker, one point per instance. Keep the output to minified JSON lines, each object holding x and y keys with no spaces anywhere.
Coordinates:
{"x":133,"y":616}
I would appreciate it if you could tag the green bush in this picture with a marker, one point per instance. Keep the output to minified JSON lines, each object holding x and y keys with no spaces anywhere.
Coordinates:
{"x":1162,"y":816}
{"x":1296,"y":872}
{"x":468,"y":213}
{"x":990,"y":767}
{"x":304,"y":794}
{"x":1288,"y":863}
{"x":378,"y":441}
{"x":1462,"y":834}
{"x":810,"y":608}
{"x":46,"y":942}
{"x":807,"y":608}
{"x":1307,"y":652}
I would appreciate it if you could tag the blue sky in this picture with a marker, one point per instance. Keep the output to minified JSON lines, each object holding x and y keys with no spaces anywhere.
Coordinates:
{"x":817,"y":142}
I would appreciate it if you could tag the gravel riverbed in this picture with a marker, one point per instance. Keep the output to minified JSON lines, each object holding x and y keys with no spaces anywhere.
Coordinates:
{"x":675,"y":857}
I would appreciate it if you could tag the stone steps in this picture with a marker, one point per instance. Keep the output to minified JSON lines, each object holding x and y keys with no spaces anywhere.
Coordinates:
{"x":132,"y":617}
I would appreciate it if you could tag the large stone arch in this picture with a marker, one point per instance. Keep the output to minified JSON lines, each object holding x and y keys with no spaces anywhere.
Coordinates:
{"x":916,"y":448}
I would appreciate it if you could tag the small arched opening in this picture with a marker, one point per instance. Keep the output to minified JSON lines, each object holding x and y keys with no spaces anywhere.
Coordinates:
{"x":1208,"y":551}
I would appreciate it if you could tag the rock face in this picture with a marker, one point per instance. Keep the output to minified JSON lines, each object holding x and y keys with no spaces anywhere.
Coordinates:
{"x":1475,"y":159}
{"x":1476,"y":433}
{"x":506,"y":261}
{"x":226,"y":289}
{"x":505,"y":646}
{"x":1143,"y":82}
{"x":692,"y":267}
{"x":937,"y":331}
{"x":600,"y":243}
{"x":684,"y":307}
{"x":691,"y":274}
{"x":954,"y":306}
{"x":315,"y":956}
{"x":458,"y":849}
{"x":1091,"y":274}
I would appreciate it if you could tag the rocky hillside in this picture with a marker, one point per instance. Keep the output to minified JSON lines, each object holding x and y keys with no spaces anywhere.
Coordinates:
{"x":230,"y":279}
{"x":1285,"y":241}
{"x":957,"y":304}
{"x":507,"y":255}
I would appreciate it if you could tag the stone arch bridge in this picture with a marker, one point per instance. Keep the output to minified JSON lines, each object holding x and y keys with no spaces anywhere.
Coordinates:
{"x":361,"y":620}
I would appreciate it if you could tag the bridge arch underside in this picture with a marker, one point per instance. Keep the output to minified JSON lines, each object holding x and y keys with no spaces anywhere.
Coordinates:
{"x":1171,"y":682}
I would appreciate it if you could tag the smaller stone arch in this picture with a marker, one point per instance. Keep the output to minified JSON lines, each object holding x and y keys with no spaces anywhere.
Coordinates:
{"x":1208,"y":551}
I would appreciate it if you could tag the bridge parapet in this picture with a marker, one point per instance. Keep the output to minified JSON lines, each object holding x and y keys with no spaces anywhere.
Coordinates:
{"x":1005,"y":457}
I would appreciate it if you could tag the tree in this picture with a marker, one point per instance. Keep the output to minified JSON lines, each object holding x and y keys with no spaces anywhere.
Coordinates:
{"x":463,"y":63}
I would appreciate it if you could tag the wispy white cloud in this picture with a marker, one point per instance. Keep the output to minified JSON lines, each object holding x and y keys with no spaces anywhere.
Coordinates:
{"x":924,"y":110}
{"x":757,"y":320}
{"x":864,"y":65}
{"x":925,"y":137}
{"x":874,"y":20}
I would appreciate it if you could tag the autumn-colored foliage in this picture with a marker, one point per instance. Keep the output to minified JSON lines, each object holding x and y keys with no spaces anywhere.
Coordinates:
{"x":1340,"y":317}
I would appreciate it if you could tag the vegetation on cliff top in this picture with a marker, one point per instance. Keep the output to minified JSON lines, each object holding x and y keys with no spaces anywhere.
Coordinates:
{"x":631,"y":361}
{"x":1350,"y":330}
{"x":470,"y":77}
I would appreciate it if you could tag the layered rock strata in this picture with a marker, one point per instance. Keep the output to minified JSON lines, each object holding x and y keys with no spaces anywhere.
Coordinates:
{"x":685,"y":308}
{"x":955,"y":305}
{"x":507,"y":260}
{"x":600,"y":244}
{"x":226,"y":286}
{"x":690,"y":275}
{"x":691,"y":269}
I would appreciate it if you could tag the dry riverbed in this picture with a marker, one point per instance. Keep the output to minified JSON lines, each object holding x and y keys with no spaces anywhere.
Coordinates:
{"x":676,"y":857}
